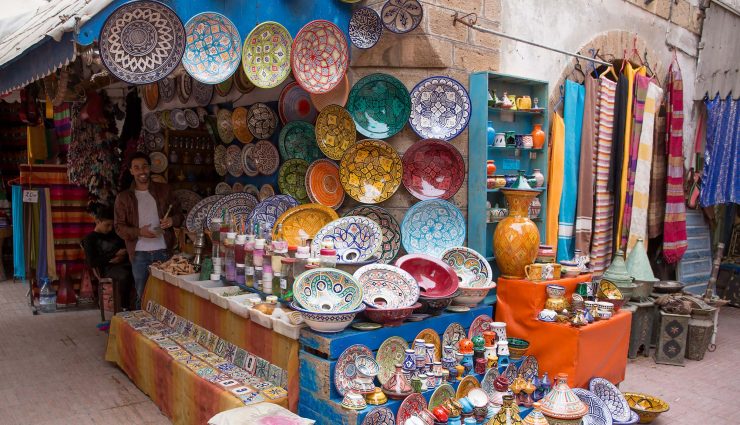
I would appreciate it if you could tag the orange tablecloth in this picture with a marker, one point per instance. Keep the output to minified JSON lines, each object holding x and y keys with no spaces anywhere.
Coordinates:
{"x":598,"y":349}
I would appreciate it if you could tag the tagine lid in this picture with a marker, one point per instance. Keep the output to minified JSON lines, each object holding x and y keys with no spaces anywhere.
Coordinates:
{"x":521,"y":185}
{"x":617,"y":271}
{"x":535,"y":417}
{"x":638,"y":264}
{"x":562,"y":403}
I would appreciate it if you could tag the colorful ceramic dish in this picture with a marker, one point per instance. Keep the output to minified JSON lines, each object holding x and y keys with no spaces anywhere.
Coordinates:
{"x":151,"y":96}
{"x":167,"y":89}
{"x":365,"y":27}
{"x":440,"y":108}
{"x":612,"y":397}
{"x":197,"y":215}
{"x":298,"y":140}
{"x":370,"y":171}
{"x":379,"y":105}
{"x":430,"y":336}
{"x":158,"y":162}
{"x":239,"y":125}
{"x":320,"y":56}
{"x":411,"y":406}
{"x":433,"y":169}
{"x":387,"y":287}
{"x":266,"y":190}
{"x":266,"y":55}
{"x":248,"y":164}
{"x":598,"y":412}
{"x":202,"y":93}
{"x":292,"y":179}
{"x":388,"y":224}
{"x":468,"y":383}
{"x":154,"y":141}
{"x":487,"y":383}
{"x":266,"y":157}
{"x":390,"y":353}
{"x":356,"y":239}
{"x":252,"y":190}
{"x":184,"y":87}
{"x":390,"y":317}
{"x":213,"y":48}
{"x":336,"y":96}
{"x":431,"y":227}
{"x":223,"y":188}
{"x":453,"y":334}
{"x":234,"y":160}
{"x":219,"y":160}
{"x":442,"y":393}
{"x":327,"y":322}
{"x":237,"y":187}
{"x":335,"y":131}
{"x":327,"y":290}
{"x":295,"y":105}
{"x":304,"y":221}
{"x":237,"y":205}
{"x":322,"y":183}
{"x":647,"y":407}
{"x":225,"y":129}
{"x":435,"y":278}
{"x":529,"y":368}
{"x":191,"y":117}
{"x":224,"y":88}
{"x":402,"y":16}
{"x":380,"y":416}
{"x":345,"y":370}
{"x":269,"y":209}
{"x":480,"y":324}
{"x":261,"y":120}
{"x":472,"y":268}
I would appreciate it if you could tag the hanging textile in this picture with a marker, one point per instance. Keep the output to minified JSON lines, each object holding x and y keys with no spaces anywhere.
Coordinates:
{"x":601,"y":242}
{"x":615,"y":166}
{"x":675,"y":240}
{"x":573,"y":116}
{"x":36,"y":139}
{"x":720,"y":183}
{"x":19,"y":245}
{"x":585,"y":206}
{"x":555,"y":178}
{"x":63,"y":128}
{"x":624,"y":140}
{"x":656,"y":204}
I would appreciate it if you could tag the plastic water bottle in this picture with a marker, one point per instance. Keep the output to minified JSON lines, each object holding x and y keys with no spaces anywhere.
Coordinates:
{"x":47,"y":297}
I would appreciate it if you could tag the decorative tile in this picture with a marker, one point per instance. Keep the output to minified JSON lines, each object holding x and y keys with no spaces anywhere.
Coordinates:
{"x":251,"y":398}
{"x":251,"y":364}
{"x":240,"y":358}
{"x":227,"y":383}
{"x":262,"y":370}
{"x":274,"y":393}
{"x":275,"y":374}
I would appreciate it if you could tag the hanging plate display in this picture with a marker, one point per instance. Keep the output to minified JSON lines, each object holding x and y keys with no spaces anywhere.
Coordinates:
{"x":292,"y":179}
{"x":252,"y":190}
{"x":386,"y":287}
{"x":241,"y":81}
{"x":224,"y":88}
{"x":345,"y":370}
{"x":319,"y":56}
{"x":431,"y":337}
{"x":151,"y":96}
{"x":158,"y":161}
{"x":336,"y":96}
{"x":430,"y":227}
{"x":142,"y":42}
{"x":370,"y":171}
{"x":380,"y":105}
{"x":401,"y":16}
{"x":365,"y":27}
{"x":295,"y":105}
{"x":335,"y":131}
{"x":239,"y":124}
{"x":480,"y":324}
{"x":151,"y":123}
{"x":453,"y":334}
{"x":223,"y":188}
{"x":266,"y":190}
{"x":472,"y":268}
{"x":390,"y":353}
{"x":191,"y":117}
{"x":266,"y":157}
{"x":248,"y":164}
{"x":219,"y":160}
{"x":197,"y":215}
{"x":304,"y":220}
{"x":266,"y":55}
{"x":440,"y":108}
{"x":612,"y":397}
{"x":411,"y":406}
{"x":167,"y":89}
{"x":442,"y":393}
{"x":380,"y":416}
{"x":322,"y":183}
{"x":388,"y":224}
{"x":234,"y":160}
{"x":237,"y":205}
{"x":598,"y":411}
{"x":356,"y":239}
{"x":154,"y":141}
{"x":177,"y":116}
{"x":269,"y":209}
{"x":467,"y":384}
{"x":213,"y":46}
{"x":298,"y":140}
{"x":433,"y":169}
{"x":261,"y":121}
{"x":225,"y":129}
{"x":184,"y":87}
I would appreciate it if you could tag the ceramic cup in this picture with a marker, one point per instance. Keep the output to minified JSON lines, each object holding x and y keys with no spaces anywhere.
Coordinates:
{"x":519,"y":141}
{"x":605,"y":310}
{"x":538,"y":271}
{"x":500,"y":140}
{"x":527,"y":141}
{"x":510,"y":138}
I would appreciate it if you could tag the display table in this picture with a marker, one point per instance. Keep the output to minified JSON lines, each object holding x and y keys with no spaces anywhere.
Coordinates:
{"x":597,"y":349}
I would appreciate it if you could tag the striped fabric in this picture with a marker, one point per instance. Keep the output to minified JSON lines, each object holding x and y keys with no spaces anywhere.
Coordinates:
{"x":656,"y":206}
{"x":63,"y":127}
{"x":585,"y":204}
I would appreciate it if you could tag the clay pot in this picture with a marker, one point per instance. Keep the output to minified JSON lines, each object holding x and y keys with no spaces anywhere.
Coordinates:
{"x":516,"y":239}
{"x":490,"y":168}
{"x":538,"y":137}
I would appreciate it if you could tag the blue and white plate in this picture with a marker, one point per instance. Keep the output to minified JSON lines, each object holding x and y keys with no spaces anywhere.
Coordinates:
{"x":197,"y":215}
{"x":598,"y":412}
{"x":387,"y":287}
{"x":440,"y":108}
{"x":237,"y":205}
{"x":634,"y":418}
{"x":530,"y":368}
{"x":380,"y":416}
{"x":213,"y":48}
{"x":267,"y":212}
{"x":327,"y":290}
{"x":365,"y":27}
{"x":430,"y":227}
{"x":612,"y":397}
{"x":389,"y":226}
{"x":356,"y":239}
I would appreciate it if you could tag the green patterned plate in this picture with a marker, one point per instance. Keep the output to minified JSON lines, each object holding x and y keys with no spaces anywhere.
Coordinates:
{"x":442,"y":393}
{"x":266,"y":55}
{"x":298,"y":140}
{"x":292,"y":179}
{"x":380,"y":105}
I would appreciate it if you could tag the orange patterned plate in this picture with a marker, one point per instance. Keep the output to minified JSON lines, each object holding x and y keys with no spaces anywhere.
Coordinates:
{"x":335,"y":131}
{"x":151,"y":95}
{"x":432,"y":337}
{"x":336,"y":96}
{"x":239,"y":125}
{"x":304,"y":220}
{"x":371,"y":171}
{"x":322,"y":183}
{"x":467,"y":384}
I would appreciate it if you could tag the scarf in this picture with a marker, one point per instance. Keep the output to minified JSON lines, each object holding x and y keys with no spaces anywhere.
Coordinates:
{"x":555,"y":178}
{"x":585,"y":205}
{"x":638,"y":110}
{"x":656,"y":205}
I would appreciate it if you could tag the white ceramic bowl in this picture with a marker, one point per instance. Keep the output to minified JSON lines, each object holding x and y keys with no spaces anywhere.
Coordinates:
{"x":327,"y":290}
{"x":471,"y":296}
{"x":327,"y":322}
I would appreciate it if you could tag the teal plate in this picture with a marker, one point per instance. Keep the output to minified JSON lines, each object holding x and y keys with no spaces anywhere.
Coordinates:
{"x":380,"y":106}
{"x":298,"y":141}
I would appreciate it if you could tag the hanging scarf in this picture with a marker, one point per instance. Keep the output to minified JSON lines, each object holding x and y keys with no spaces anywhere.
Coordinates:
{"x":719,"y":181}
{"x":19,"y":242}
{"x":656,"y":205}
{"x":555,"y":178}
{"x":585,"y":206}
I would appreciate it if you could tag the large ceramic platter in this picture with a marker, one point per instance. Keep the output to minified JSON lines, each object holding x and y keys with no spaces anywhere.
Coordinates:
{"x":356,"y":239}
{"x":598,"y":411}
{"x":184,"y":87}
{"x":380,"y":416}
{"x":379,"y":105}
{"x":322,"y":183}
{"x":167,"y":89}
{"x":390,"y":353}
{"x":371,"y":171}
{"x":266,"y":55}
{"x":468,"y":383}
{"x":142,"y":42}
{"x":298,"y":140}
{"x":248,"y":164}
{"x":488,"y":380}
{"x":239,"y":125}
{"x":268,"y":211}
{"x":223,"y":188}
{"x":213,"y":48}
{"x":401,"y":16}
{"x":411,"y":406}
{"x":219,"y":160}
{"x":237,"y":205}
{"x":433,"y":169}
{"x":304,"y":220}
{"x":327,"y":290}
{"x":202,"y":93}
{"x":266,"y":157}
{"x":336,"y":96}
{"x":295,"y":104}
{"x":335,"y":131}
{"x":261,"y":121}
{"x":186,"y":198}
{"x":432,"y":337}
{"x":319,"y":57}
{"x":365,"y":27}
{"x":529,"y":368}
{"x":158,"y":161}
{"x":430,"y":227}
{"x":471,"y":267}
{"x":440,"y":108}
{"x":151,"y":95}
{"x":292,"y":179}
{"x":442,"y":393}
{"x":480,"y":324}
{"x":612,"y":397}
{"x":345,"y":370}
{"x":197,"y":215}
{"x":234,"y":160}
{"x":387,"y":287}
{"x":388,"y":224}
{"x":453,"y":334}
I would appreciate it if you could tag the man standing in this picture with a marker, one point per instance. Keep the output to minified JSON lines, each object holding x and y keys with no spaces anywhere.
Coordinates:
{"x":140,"y":221}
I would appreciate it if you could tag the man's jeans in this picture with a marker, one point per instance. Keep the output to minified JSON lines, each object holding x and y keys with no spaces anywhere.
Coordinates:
{"x":140,"y":268}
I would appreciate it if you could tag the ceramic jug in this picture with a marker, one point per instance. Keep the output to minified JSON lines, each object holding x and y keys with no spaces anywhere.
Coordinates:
{"x":490,"y":168}
{"x":524,"y":103}
{"x":538,"y":137}
{"x":507,"y":102}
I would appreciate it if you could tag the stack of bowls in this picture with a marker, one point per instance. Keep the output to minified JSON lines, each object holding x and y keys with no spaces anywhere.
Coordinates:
{"x":473,"y":272}
{"x":438,"y":282}
{"x":328,"y":299}
{"x":390,"y":293}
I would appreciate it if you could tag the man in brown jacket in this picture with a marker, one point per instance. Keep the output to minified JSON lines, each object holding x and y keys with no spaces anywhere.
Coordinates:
{"x":140,"y":221}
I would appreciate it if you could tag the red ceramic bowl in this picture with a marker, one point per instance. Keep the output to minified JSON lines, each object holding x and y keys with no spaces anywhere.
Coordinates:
{"x":433,"y":169}
{"x":390,"y":317}
{"x":435,"y":278}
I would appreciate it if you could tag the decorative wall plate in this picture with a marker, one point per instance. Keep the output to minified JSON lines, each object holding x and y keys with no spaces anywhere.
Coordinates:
{"x":151,"y":96}
{"x":431,"y":337}
{"x":380,"y":105}
{"x":237,"y":187}
{"x":432,"y":226}
{"x":202,"y":93}
{"x":612,"y":397}
{"x":191,"y":117}
{"x":252,"y":190}
{"x":158,"y":161}
{"x":598,"y":411}
{"x":151,"y":122}
{"x":327,"y":290}
{"x":261,"y":120}
{"x":234,"y":160}
{"x":225,"y":129}
{"x":154,"y":141}
{"x":184,"y":87}
{"x":370,"y":171}
{"x":319,"y":57}
{"x":322,"y":183}
{"x":266,"y":55}
{"x":453,"y":334}
{"x":442,"y":393}
{"x":177,"y":116}
{"x":238,"y":205}
{"x":167,"y":89}
{"x":304,"y":220}
{"x":223,"y":188}
{"x":213,"y":45}
{"x":187,"y":199}
{"x":472,"y":268}
{"x":295,"y":104}
{"x":356,"y":239}
{"x":266,"y":190}
{"x":380,"y":416}
{"x":468,"y":383}
{"x":298,"y":140}
{"x":433,"y":169}
{"x":410,"y":406}
{"x":440,"y":108}
{"x":387,"y":287}
{"x":292,"y":179}
{"x":248,"y":164}
{"x":269,"y":209}
{"x":345,"y":370}
{"x":266,"y":157}
{"x":390,"y":353}
{"x":480,"y":324}
{"x":510,"y":372}
{"x":239,"y":125}
{"x":388,"y":224}
{"x":529,"y":368}
{"x":365,"y":28}
{"x":436,"y":279}
{"x":219,"y":160}
{"x":335,"y":131}
{"x":142,"y":42}
{"x":336,"y":96}
{"x":197,"y":215}
{"x":487,"y":384}
{"x":241,"y":81}
{"x":401,"y":16}
{"x":224,"y":88}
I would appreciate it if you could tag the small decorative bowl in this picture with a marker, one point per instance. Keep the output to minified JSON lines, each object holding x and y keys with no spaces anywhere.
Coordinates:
{"x":517,"y":347}
{"x":646,"y":406}
{"x":435,"y":277}
{"x":547,"y":315}
{"x":327,"y":322}
{"x":471,"y":296}
{"x":618,"y":303}
{"x":435,"y":306}
{"x":570,"y":271}
{"x":390,"y":317}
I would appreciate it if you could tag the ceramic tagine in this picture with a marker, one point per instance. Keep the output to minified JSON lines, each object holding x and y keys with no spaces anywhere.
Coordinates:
{"x":638,"y":266}
{"x":508,"y":415}
{"x":397,"y":386}
{"x":561,"y":406}
{"x":618,"y":274}
{"x":535,"y":417}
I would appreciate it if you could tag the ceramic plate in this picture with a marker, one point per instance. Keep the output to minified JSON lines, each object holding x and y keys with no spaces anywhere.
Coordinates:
{"x":213,"y":48}
{"x":390,"y":353}
{"x":184,"y":87}
{"x":295,"y":104}
{"x":453,"y":334}
{"x":167,"y":89}
{"x":387,"y":287}
{"x":327,"y":290}
{"x":487,"y":383}
{"x":401,"y":16}
{"x":261,"y":121}
{"x":241,"y":81}
{"x":237,"y":187}
{"x":430,"y":227}
{"x":335,"y":131}
{"x":366,"y":326}
{"x":389,"y":226}
{"x":440,"y":108}
{"x":471,"y":267}
{"x":239,"y":125}
{"x":304,"y":220}
{"x":612,"y":397}
{"x":442,"y":393}
{"x":151,"y":96}
{"x":510,"y":372}
{"x":266,"y":190}
{"x":433,"y":169}
{"x":237,"y":205}
{"x":298,"y":140}
{"x":191,"y":117}
{"x":252,"y":190}
{"x":379,"y":105}
{"x":197,"y":215}
{"x":219,"y":160}
{"x":345,"y":370}
{"x":480,"y":324}
{"x":320,"y":56}
{"x":186,"y":198}
{"x":356,"y":239}
{"x":292,"y":179}
{"x":266,"y":157}
{"x":266,"y":54}
{"x":224,"y":88}
{"x":178,"y":119}
{"x":365,"y":28}
{"x":234,"y":160}
{"x":432,"y":337}
{"x":529,"y":368}
{"x":248,"y":164}
{"x":142,"y":42}
{"x":223,"y":188}
{"x":411,"y":406}
{"x":468,"y":383}
{"x":336,"y":96}
{"x":380,"y":416}
{"x":371,"y":171}
{"x":268,"y":210}
{"x":202,"y":93}
{"x":322,"y":183}
{"x":154,"y":141}
{"x":598,"y":411}
{"x":158,"y":161}
{"x":225,"y":129}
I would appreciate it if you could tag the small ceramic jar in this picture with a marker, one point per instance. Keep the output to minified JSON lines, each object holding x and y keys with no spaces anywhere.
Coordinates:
{"x":605,"y":310}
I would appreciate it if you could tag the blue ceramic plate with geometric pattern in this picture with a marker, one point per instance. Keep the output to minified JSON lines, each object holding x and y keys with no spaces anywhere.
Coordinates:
{"x":388,"y":224}
{"x":356,"y":239}
{"x":612,"y":397}
{"x":267,"y":212}
{"x":379,"y":105}
{"x":213,"y":48}
{"x":440,"y":108}
{"x":598,"y":412}
{"x":430,"y":227}
{"x":326,"y":290}
{"x":380,"y":416}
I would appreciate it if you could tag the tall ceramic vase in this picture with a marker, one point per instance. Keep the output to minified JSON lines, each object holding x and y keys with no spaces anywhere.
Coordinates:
{"x":538,"y":137}
{"x":517,"y":239}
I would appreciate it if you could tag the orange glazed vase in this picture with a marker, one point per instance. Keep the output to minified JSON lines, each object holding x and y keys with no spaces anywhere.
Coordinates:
{"x":516,"y":239}
{"x":538,"y":137}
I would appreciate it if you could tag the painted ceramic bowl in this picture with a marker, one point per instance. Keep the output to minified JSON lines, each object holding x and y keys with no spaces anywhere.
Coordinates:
{"x":390,"y":316}
{"x":471,"y":297}
{"x":213,"y":48}
{"x":370,"y":171}
{"x":646,"y":406}
{"x":435,"y":306}
{"x":433,"y":169}
{"x":319,"y":57}
{"x":327,"y":321}
{"x":517,"y":347}
{"x":472,"y":269}
{"x":327,"y":290}
{"x":355,"y":238}
{"x":618,"y":303}
{"x":387,"y":287}
{"x":547,"y":315}
{"x":435,"y":278}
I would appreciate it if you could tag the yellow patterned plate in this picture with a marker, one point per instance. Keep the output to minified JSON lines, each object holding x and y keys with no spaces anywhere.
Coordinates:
{"x":304,"y":220}
{"x":608,"y":290}
{"x":335,"y":131}
{"x":371,"y":171}
{"x":468,"y":383}
{"x":239,"y":125}
{"x":432,"y":337}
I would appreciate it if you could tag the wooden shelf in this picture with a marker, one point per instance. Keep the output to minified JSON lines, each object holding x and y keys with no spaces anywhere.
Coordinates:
{"x":539,"y":112}
{"x":514,"y":148}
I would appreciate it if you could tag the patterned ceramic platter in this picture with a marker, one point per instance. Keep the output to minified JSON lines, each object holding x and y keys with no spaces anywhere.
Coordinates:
{"x":151,"y":95}
{"x":241,"y":81}
{"x":453,"y":334}
{"x":252,"y":190}
{"x":371,"y":171}
{"x":487,"y":383}
{"x":219,"y":160}
{"x":268,"y":210}
{"x":266,"y":157}
{"x":380,"y":416}
{"x":598,"y":411}
{"x":237,"y":187}
{"x":234,"y":160}
{"x":197,"y":215}
{"x":387,"y":287}
{"x":178,"y":119}
{"x":248,"y":164}
{"x":442,"y":393}
{"x":261,"y":121}
{"x":320,"y":56}
{"x":305,"y":220}
{"x":154,"y":141}
{"x":266,"y":190}
{"x":202,"y":93}
{"x":529,"y":368}
{"x":440,"y":108}
{"x":266,"y":55}
{"x":223,"y":188}
{"x":345,"y":370}
{"x":357,"y":239}
{"x":402,"y":16}
{"x":335,"y":131}
{"x":380,"y":105}
{"x":480,"y":324}
{"x":433,"y":169}
{"x":237,"y":205}
{"x":224,"y":88}
{"x":212,"y":49}
{"x":612,"y":397}
{"x":390,"y":353}
{"x":187,"y":199}
{"x":158,"y":161}
{"x":468,"y":383}
{"x":225,"y":129}
{"x":430,"y":227}
{"x":239,"y":124}
{"x":298,"y":140}
{"x":327,"y":290}
{"x":292,"y":179}
{"x":142,"y":42}
{"x":388,"y":224}
{"x":191,"y":117}
{"x":167,"y":89}
{"x":510,"y":372}
{"x":365,"y":27}
{"x":471,"y":267}
{"x":411,"y":406}
{"x":184,"y":87}
{"x":336,"y":96}
{"x":295,"y":105}
{"x":322,"y":183}
{"x":431,"y":337}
